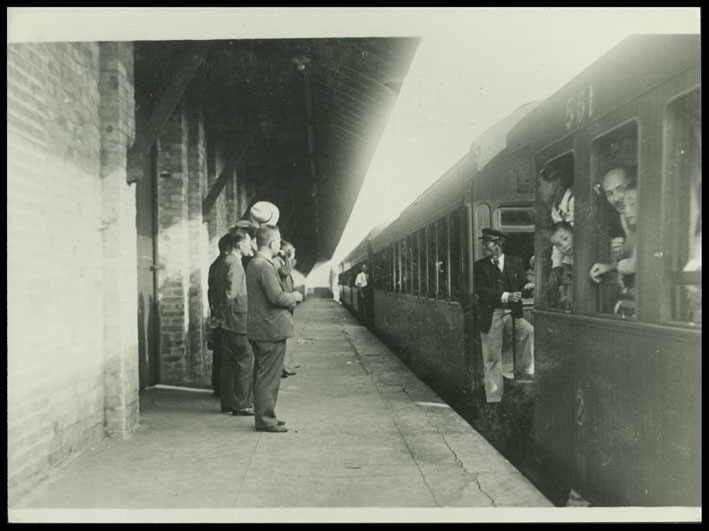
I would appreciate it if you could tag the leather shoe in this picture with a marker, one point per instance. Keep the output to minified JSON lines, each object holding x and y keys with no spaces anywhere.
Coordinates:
{"x":284,"y":374}
{"x":273,"y":429}
{"x":281,"y":422}
{"x":246,"y":412}
{"x":290,"y":373}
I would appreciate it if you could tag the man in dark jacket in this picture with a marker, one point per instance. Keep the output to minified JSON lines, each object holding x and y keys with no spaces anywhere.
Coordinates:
{"x":231,"y":304}
{"x":270,"y":324}
{"x":225,"y":247}
{"x":499,"y":281}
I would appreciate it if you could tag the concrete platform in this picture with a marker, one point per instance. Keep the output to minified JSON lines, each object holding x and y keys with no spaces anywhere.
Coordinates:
{"x":365,"y":432}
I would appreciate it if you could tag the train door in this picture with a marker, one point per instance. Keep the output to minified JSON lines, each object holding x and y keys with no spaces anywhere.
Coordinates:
{"x":517,"y":220}
{"x":482,"y":219}
{"x":556,"y":367}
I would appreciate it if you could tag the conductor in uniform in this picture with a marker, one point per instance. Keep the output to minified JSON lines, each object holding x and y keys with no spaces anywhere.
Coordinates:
{"x":500,"y":281}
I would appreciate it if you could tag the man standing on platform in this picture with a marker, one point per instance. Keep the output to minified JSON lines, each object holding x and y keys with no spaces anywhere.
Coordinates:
{"x":231,"y":304}
{"x":362,"y":285}
{"x":225,"y":247}
{"x":499,"y":281}
{"x":269,"y":325}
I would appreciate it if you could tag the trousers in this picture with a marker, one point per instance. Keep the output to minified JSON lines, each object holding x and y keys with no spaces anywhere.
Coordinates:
{"x":288,"y":358}
{"x":268,"y":360}
{"x":492,"y":351}
{"x":216,"y":362}
{"x":236,"y":371}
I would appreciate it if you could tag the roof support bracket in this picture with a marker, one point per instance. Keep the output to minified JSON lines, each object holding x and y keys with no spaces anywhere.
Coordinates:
{"x":192,"y":60}
{"x":232,"y":163}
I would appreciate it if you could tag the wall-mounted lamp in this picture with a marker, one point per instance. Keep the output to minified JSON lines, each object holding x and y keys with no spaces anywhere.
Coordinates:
{"x":301,"y":62}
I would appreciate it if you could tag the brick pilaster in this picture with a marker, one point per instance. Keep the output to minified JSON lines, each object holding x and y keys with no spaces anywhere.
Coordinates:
{"x":116,"y":110}
{"x":198,"y":241}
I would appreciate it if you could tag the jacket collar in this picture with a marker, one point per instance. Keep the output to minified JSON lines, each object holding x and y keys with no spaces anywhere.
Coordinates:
{"x":264,"y":256}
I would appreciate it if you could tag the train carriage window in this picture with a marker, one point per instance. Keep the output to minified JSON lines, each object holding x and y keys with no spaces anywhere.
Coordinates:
{"x":390,"y":268}
{"x":456,"y":266}
{"x":379,"y":272}
{"x":415,"y":286}
{"x":683,"y":160}
{"x":405,"y":266}
{"x":397,"y":267}
{"x":423,"y":263}
{"x":615,"y":173}
{"x":554,"y":225}
{"x":518,"y":222}
{"x":442,"y":257}
{"x":431,"y":260}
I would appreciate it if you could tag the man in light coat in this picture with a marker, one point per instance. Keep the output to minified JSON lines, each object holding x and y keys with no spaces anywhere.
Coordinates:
{"x":269,"y":325}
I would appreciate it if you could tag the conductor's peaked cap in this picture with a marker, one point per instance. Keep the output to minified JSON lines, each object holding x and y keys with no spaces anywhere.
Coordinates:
{"x":493,"y":235}
{"x":264,"y":213}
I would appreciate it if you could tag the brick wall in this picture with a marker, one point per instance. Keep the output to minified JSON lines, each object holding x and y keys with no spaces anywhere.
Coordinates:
{"x":56,"y":266}
{"x":173,"y":248}
{"x":190,"y":160}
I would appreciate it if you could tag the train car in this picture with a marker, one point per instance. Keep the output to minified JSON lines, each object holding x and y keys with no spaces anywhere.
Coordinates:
{"x":614,"y":410}
{"x":421,"y":263}
{"x":618,"y":362}
{"x":350,"y":266}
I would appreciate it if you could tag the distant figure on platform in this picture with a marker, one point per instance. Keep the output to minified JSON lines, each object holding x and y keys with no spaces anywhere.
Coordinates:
{"x":269,"y":325}
{"x":500,"y":281}
{"x":231,"y":301}
{"x":225,"y":247}
{"x":362,"y":285}
{"x":285,"y":263}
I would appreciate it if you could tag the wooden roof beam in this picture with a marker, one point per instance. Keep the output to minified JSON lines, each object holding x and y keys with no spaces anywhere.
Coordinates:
{"x":191,"y":62}
{"x":232,"y":163}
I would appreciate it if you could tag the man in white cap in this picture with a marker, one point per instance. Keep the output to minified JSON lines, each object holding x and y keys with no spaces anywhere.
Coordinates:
{"x":264,"y":213}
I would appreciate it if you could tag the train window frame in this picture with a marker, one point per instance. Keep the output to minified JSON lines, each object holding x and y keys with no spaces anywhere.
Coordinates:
{"x":456,"y":267}
{"x":415,"y":264}
{"x":405,"y":265}
{"x":478,"y":216}
{"x":542,"y":223}
{"x":675,"y":276}
{"x":442,"y":262}
{"x":615,"y":132}
{"x":431,"y":258}
{"x":423,"y":262}
{"x":514,"y":207}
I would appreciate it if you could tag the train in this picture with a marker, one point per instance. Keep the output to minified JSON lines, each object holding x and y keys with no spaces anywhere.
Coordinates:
{"x":613,"y":413}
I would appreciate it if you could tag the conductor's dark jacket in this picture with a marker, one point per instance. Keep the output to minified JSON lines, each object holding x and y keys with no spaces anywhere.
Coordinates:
{"x":490,"y":283}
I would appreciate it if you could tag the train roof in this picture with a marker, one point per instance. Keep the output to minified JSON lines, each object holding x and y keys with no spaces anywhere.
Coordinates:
{"x":359,"y":253}
{"x":636,"y":65}
{"x":450,"y":189}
